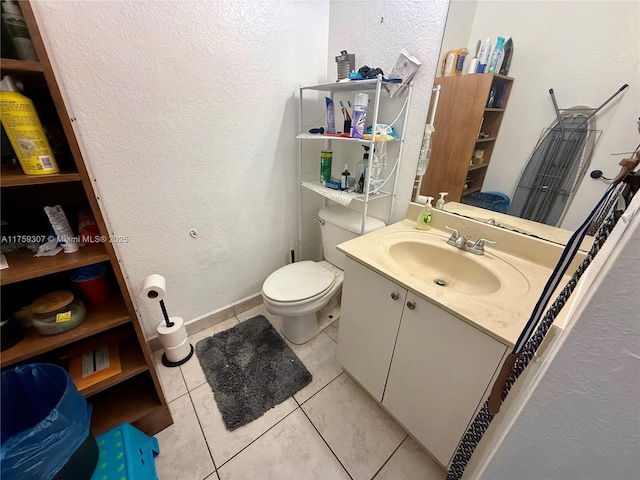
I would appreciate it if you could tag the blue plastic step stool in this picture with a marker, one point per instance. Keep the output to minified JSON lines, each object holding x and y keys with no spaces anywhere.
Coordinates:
{"x":126,"y":454}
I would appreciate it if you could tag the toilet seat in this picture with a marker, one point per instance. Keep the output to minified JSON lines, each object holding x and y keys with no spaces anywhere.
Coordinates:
{"x":298,"y":282}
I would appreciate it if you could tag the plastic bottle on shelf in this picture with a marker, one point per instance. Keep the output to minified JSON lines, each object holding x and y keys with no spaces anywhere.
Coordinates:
{"x":483,"y":58}
{"x":22,"y":125}
{"x":497,"y":55}
{"x":344,"y":179}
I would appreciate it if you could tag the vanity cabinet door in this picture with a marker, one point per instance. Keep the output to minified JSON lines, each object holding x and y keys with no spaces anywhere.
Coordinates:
{"x":441,"y":369}
{"x":369,"y":320}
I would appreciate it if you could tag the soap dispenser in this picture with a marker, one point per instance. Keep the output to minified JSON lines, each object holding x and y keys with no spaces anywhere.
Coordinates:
{"x":426,"y":216}
{"x":440,"y":202}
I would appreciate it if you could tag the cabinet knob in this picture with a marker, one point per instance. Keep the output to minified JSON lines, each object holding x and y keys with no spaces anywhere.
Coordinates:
{"x":411,"y":305}
{"x":395,"y":295}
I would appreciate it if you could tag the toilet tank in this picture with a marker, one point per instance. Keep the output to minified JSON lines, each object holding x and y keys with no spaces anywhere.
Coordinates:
{"x":341,"y":224}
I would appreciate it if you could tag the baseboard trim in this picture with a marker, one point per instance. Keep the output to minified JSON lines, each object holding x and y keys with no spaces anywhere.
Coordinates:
{"x":213,"y":318}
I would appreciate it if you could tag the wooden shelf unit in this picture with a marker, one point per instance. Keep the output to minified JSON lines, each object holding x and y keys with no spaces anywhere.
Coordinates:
{"x":463,"y":113}
{"x":10,"y":65}
{"x":98,"y":320}
{"x":18,"y":178}
{"x":24,"y":266}
{"x":116,"y":405}
{"x":134,"y":395}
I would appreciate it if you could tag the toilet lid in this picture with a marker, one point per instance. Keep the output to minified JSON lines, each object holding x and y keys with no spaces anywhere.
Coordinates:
{"x":297,"y":281}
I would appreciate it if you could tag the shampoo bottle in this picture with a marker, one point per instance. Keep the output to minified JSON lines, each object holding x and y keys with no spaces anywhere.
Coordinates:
{"x":426,"y":216}
{"x":483,"y":58}
{"x":497,"y":55}
{"x":25,"y":132}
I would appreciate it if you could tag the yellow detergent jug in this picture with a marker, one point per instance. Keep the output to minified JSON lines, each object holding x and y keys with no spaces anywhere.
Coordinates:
{"x":22,"y":125}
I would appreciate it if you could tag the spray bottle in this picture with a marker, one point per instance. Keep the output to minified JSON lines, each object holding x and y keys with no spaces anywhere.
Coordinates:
{"x":497,"y":55}
{"x":25,"y":132}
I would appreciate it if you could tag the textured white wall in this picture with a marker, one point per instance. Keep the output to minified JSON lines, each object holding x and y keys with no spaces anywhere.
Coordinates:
{"x":582,"y":419}
{"x":584,"y":50}
{"x":187,"y":115}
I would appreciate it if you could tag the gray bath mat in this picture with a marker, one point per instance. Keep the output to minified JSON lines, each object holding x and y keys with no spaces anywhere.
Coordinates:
{"x":250,"y":369}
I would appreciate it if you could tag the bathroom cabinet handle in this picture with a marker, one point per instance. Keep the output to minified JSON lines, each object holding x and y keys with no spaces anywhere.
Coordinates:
{"x":411,"y":305}
{"x":395,"y":295}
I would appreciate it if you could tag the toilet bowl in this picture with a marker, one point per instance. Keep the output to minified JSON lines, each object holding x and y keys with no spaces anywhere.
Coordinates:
{"x":307,"y":294}
{"x":299,"y":292}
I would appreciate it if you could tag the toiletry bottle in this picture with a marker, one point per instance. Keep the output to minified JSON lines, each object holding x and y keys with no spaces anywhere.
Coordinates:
{"x":426,"y":216}
{"x":462,"y":55}
{"x":497,"y":55}
{"x":22,"y":126}
{"x":440,"y":202}
{"x":361,"y":171}
{"x":485,"y":51}
{"x":344,"y":179}
{"x":326,"y":156}
{"x":360,"y":105}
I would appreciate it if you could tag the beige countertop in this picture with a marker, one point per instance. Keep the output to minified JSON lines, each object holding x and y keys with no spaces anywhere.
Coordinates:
{"x":523,"y":263}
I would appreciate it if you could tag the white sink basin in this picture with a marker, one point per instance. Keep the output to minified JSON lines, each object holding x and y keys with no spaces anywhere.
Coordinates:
{"x":428,"y":258}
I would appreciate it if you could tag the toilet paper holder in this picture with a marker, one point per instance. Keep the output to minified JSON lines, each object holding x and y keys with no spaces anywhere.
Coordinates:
{"x":171,"y":332}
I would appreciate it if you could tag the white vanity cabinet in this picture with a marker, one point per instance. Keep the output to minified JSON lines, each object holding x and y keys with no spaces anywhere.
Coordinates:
{"x":429,"y":369}
{"x":439,"y":374}
{"x":370,"y":316}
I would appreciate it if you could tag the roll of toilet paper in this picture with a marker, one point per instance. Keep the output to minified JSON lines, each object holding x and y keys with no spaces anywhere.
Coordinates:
{"x":179,"y":352}
{"x":174,"y":335}
{"x":153,"y":288}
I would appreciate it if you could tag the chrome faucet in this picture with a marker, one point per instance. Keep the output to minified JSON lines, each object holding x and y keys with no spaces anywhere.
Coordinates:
{"x":463,"y":242}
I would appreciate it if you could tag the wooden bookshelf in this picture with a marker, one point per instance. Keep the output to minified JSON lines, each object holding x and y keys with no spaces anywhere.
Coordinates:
{"x":462,"y":114}
{"x":133,"y":395}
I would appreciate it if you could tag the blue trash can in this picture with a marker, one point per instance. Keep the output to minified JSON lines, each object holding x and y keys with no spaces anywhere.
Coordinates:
{"x":496,"y":201}
{"x":45,"y":429}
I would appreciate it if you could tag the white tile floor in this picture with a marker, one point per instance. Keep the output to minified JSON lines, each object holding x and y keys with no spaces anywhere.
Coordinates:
{"x":331,"y":429}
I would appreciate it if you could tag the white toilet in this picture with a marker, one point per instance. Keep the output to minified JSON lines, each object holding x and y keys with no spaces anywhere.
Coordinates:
{"x":307,"y":294}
